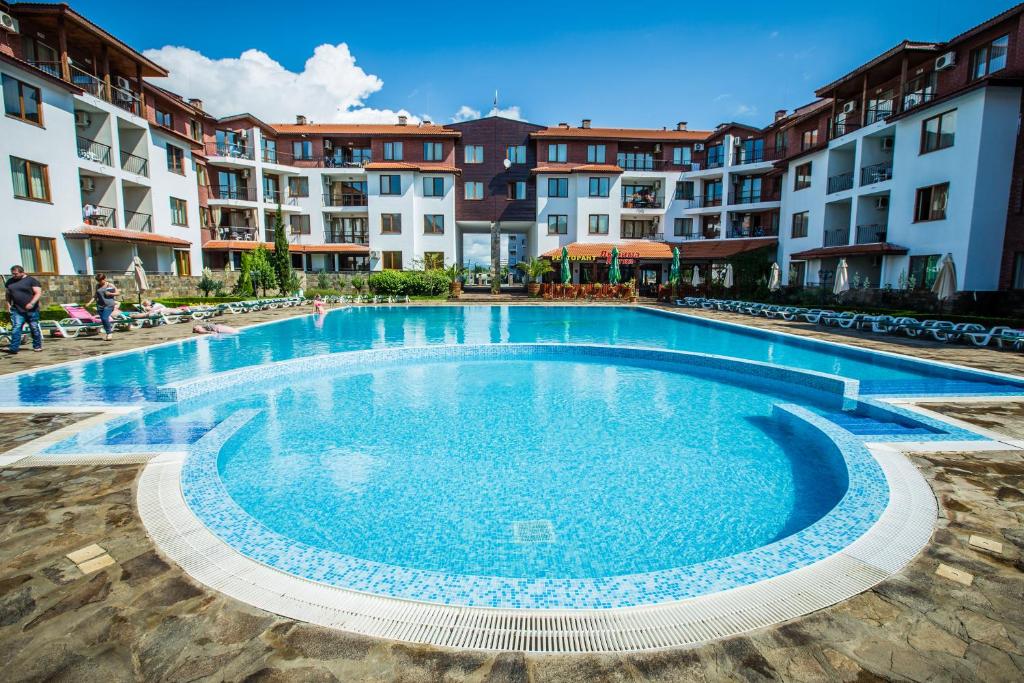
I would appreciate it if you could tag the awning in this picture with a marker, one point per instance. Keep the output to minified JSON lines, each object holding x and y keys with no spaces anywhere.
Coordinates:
{"x":422,"y":167}
{"x":873,"y":249}
{"x":722,"y":249}
{"x":96,"y":232}
{"x":576,"y":168}
{"x":601,"y":251}
{"x":247,"y":245}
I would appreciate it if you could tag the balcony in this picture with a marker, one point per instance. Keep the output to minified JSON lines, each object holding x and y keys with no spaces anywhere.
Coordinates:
{"x":52,"y":68}
{"x":876,"y":173}
{"x":134,"y":164}
{"x":872,"y":233}
{"x":279,"y":197}
{"x":836,"y":237}
{"x":749,"y":231}
{"x":880,"y":111}
{"x":714,"y":162}
{"x":754,"y":197}
{"x":243,"y":233}
{"x":229,"y":150}
{"x":643,"y":203}
{"x":104,"y":216}
{"x":347,"y":237}
{"x":840,"y":127}
{"x":345,"y":199}
{"x":638,"y":162}
{"x":703,"y":202}
{"x":97,"y":87}
{"x":231,"y":192}
{"x":743,"y":156}
{"x":275,"y":156}
{"x":142,"y":222}
{"x":841,"y":182}
{"x":343,"y":160}
{"x":90,"y":150}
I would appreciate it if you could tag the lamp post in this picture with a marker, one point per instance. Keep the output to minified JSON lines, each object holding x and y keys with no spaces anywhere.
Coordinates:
{"x":496,"y":246}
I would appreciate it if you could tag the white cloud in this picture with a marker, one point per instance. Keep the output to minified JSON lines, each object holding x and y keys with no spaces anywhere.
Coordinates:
{"x":331,"y":88}
{"x":467,"y":113}
{"x":507,"y":112}
{"x":476,"y":250}
{"x":745,"y":110}
{"x":773,"y":34}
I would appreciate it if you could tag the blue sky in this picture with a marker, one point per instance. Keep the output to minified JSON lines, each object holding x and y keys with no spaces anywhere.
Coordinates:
{"x":620,"y":64}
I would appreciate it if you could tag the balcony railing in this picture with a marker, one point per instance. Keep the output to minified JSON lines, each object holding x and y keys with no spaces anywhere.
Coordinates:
{"x":229,"y":149}
{"x":638,"y":162}
{"x":344,"y":199}
{"x":880,"y":111}
{"x":641,"y":203}
{"x":279,"y":197}
{"x":754,"y":197}
{"x":243,"y":233}
{"x":715,"y":162}
{"x":338,"y":161}
{"x":97,"y":87}
{"x":838,"y":183}
{"x":691,"y":236}
{"x":346,"y":237}
{"x":841,"y":127}
{"x":870,"y":234}
{"x":743,"y":156}
{"x":244,"y":194}
{"x":836,"y":237}
{"x":52,"y":68}
{"x":701,"y":202}
{"x":90,"y":150}
{"x":876,"y":173}
{"x":134,"y":164}
{"x":134,"y":220}
{"x":747,"y":231}
{"x":275,"y":156}
{"x":104,"y":216}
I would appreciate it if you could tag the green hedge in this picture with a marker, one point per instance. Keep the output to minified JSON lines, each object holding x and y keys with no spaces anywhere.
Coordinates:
{"x":174,"y":302}
{"x":409,"y":282}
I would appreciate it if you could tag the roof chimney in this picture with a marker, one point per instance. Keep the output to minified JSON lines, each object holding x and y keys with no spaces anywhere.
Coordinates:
{"x":426,"y":122}
{"x":300,"y":120}
{"x":780,"y":114}
{"x":563,"y":125}
{"x":197,"y":103}
{"x":681,"y":125}
{"x":403,"y":119}
{"x":585,"y":124}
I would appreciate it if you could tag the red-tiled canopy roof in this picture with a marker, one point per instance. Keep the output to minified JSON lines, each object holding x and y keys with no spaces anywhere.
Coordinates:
{"x":723,"y":249}
{"x":410,"y":130}
{"x":577,"y":168}
{"x":424,"y":166}
{"x":875,"y":249}
{"x":622,"y":133}
{"x":590,"y":251}
{"x":92,"y":231}
{"x":246,"y":245}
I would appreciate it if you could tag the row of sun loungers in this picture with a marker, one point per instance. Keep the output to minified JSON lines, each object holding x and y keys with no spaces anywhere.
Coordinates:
{"x":938,"y":330}
{"x":366,"y":299}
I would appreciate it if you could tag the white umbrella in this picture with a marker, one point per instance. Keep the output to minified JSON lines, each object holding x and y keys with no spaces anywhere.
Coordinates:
{"x":696,"y":281}
{"x":775,"y":279}
{"x":945,"y":283}
{"x":141,"y":283}
{"x":727,"y":278}
{"x":842,"y":278}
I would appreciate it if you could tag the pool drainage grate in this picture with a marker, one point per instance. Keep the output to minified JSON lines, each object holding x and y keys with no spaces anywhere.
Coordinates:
{"x":533,"y":531}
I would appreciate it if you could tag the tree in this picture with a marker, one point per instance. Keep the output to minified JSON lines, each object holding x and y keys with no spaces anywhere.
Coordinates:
{"x":262,"y":270}
{"x":244,"y":285}
{"x":281,"y":261}
{"x":535,"y":268}
{"x":208,"y":283}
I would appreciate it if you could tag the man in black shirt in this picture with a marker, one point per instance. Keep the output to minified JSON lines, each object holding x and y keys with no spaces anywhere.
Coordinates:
{"x":23,"y":293}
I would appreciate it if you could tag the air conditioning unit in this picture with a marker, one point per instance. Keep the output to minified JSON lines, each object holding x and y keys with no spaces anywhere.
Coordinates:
{"x":87,"y":184}
{"x":882,"y":203}
{"x":850,"y":107}
{"x":243,"y":134}
{"x":888,"y":143}
{"x":82,"y":119}
{"x":245,"y":173}
{"x":911,"y":100}
{"x":328,"y":144}
{"x":699,"y":147}
{"x":946,"y":61}
{"x":8,"y":23}
{"x":657,"y":148}
{"x":736,"y":142}
{"x":374,"y":254}
{"x":123,"y":83}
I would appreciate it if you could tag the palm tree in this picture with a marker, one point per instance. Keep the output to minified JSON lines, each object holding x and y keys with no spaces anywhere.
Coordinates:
{"x":534,"y":269}
{"x":455,"y":272}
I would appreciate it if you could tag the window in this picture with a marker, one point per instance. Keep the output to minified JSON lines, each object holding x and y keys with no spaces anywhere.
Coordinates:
{"x":517,"y":189}
{"x":516,"y":154}
{"x":175,"y":159}
{"x":299,"y":224}
{"x":474,"y":190}
{"x":433,"y":224}
{"x":923,"y":270}
{"x":681,"y":156}
{"x":780,"y":143}
{"x":391,"y":223}
{"x":302,"y":150}
{"x":637,"y":230}
{"x":22,"y":101}
{"x":931,"y":203}
{"x":391,"y":260}
{"x":182,"y":262}
{"x":269,"y":151}
{"x":684,"y":189}
{"x":390,"y":184}
{"x":558,"y":187}
{"x":713,"y":192}
{"x":990,"y":58}
{"x":433,"y":260}
{"x":38,"y":254}
{"x":31,"y":180}
{"x":163,"y":118}
{"x":298,"y":187}
{"x":179,"y":212}
{"x":432,"y":187}
{"x":716,"y":156}
{"x":800,"y":222}
{"x":938,"y":132}
{"x":557,"y":152}
{"x":683,"y":227}
{"x":433,"y":151}
{"x":393,"y":151}
{"x":599,"y":187}
{"x":1018,"y":271}
{"x":474,"y":154}
{"x":802,"y":176}
{"x":558,"y":224}
{"x":808,"y":139}
{"x":595,"y":154}
{"x":598,"y":224}
{"x":195,"y":130}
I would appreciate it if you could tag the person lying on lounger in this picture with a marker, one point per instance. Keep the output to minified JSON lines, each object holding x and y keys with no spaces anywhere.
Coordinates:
{"x":213,"y":328}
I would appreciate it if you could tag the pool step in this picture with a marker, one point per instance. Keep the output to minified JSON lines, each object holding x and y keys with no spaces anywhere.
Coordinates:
{"x":864,"y":425}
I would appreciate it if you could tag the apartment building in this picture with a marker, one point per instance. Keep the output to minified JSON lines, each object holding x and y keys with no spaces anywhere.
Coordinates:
{"x":913,"y":155}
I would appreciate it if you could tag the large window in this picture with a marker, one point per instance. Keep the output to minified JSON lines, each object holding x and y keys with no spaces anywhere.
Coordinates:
{"x":163,"y":118}
{"x":930,"y":204}
{"x":990,"y":58}
{"x":557,"y":153}
{"x":637,"y":230}
{"x":558,"y":187}
{"x":684,"y":189}
{"x":433,"y":151}
{"x":474,"y":190}
{"x":474,"y":154}
{"x":298,"y":187}
{"x":179,"y":212}
{"x":175,"y":159}
{"x":195,"y":131}
{"x":808,"y":139}
{"x":391,"y":260}
{"x":391,"y":223}
{"x":802,"y":176}
{"x":517,"y":189}
{"x":31,"y":180}
{"x":923,"y":270}
{"x":599,"y":187}
{"x":595,"y":154}
{"x":558,"y":224}
{"x":516,"y":154}
{"x":433,"y":260}
{"x":22,"y":101}
{"x":682,"y":227}
{"x":681,"y":156}
{"x":716,"y":156}
{"x":302,"y":150}
{"x":299,"y":224}
{"x":938,"y":132}
{"x":433,"y":224}
{"x":1018,"y":270}
{"x":38,"y":254}
{"x":598,"y":224}
{"x":392,"y":151}
{"x":801,"y":221}
{"x":390,"y":184}
{"x":432,"y":187}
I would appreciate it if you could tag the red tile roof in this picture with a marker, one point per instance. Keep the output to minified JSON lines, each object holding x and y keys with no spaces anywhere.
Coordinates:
{"x":93,"y":231}
{"x":577,"y":168}
{"x":590,"y":251}
{"x":875,"y":249}
{"x":411,"y":130}
{"x":723,"y":249}
{"x":423,"y":166}
{"x":246,"y":245}
{"x":622,"y":134}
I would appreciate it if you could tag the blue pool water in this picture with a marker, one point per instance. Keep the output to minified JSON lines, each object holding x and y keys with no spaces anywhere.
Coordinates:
{"x":133,"y":376}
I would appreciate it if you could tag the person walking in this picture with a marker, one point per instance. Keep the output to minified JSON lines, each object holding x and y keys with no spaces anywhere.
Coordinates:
{"x":23,"y":294}
{"x":105,"y":304}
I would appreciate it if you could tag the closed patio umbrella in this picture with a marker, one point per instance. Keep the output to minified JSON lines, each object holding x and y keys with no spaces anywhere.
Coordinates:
{"x":673,"y":273}
{"x":141,"y":283}
{"x":695,"y":280}
{"x":614,"y":274}
{"x":775,"y":279}
{"x":842,"y":278}
{"x":727,"y":280}
{"x":945,"y":282}
{"x":566,"y":272}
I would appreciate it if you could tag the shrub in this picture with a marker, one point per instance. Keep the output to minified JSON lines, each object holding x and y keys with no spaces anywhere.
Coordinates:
{"x":409,"y":283}
{"x":317,"y":291}
{"x":387,"y":282}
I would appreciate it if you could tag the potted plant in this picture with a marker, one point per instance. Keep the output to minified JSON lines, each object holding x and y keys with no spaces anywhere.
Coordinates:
{"x":533,"y":270}
{"x":454,"y":273}
{"x":631,"y":290}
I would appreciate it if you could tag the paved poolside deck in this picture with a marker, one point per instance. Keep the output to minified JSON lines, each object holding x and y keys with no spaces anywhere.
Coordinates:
{"x":143,"y":619}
